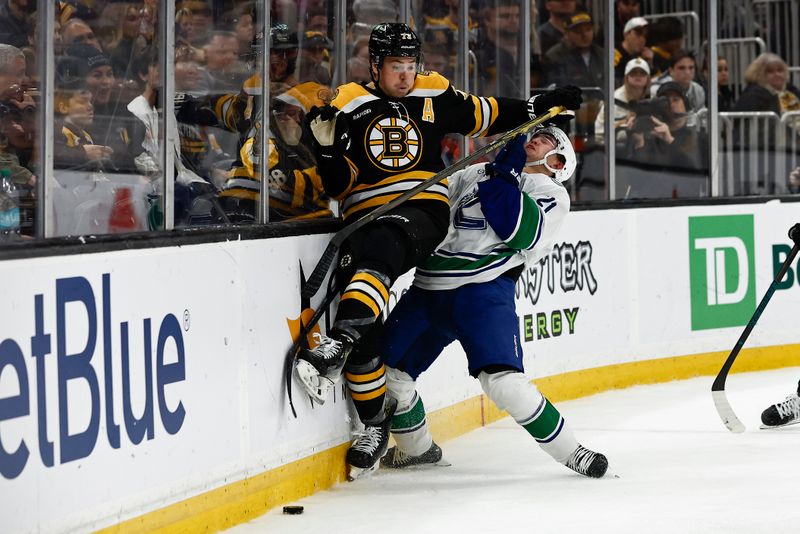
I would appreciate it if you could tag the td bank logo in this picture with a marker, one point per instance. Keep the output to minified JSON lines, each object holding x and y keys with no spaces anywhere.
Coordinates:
{"x":722,"y":271}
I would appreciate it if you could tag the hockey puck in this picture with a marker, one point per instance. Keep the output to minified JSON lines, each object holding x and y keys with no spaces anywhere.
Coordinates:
{"x":293,"y":510}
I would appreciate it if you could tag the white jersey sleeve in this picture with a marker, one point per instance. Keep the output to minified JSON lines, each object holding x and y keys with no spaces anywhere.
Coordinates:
{"x":473,"y":252}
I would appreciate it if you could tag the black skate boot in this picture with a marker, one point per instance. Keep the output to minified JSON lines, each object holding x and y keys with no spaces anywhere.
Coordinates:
{"x":320,"y":367}
{"x":397,"y":459}
{"x":783,"y":413}
{"x":588,"y":463}
{"x":370,"y":444}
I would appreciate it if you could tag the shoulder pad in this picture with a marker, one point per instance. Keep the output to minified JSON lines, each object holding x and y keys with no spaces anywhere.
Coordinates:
{"x":430,"y":80}
{"x":347,"y":93}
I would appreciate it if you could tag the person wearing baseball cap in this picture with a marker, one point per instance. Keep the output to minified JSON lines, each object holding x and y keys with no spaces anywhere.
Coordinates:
{"x":576,"y":60}
{"x":634,"y":88}
{"x":633,"y":45}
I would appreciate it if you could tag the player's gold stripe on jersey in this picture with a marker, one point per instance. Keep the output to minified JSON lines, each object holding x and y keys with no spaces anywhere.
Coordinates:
{"x":364,"y":299}
{"x":383,"y":199}
{"x":373,"y":282}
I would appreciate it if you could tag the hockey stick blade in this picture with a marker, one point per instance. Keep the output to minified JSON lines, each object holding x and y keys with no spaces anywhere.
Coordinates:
{"x":320,"y":270}
{"x":724,"y":409}
{"x":725,"y":412}
{"x":291,"y":355}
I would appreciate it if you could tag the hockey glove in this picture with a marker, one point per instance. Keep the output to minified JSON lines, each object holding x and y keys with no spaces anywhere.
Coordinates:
{"x":568,"y":96}
{"x":190,"y":110}
{"x":510,"y":160}
{"x":329,"y":128}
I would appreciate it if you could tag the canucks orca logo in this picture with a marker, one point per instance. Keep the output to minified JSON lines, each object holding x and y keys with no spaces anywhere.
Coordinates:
{"x":393,"y":143}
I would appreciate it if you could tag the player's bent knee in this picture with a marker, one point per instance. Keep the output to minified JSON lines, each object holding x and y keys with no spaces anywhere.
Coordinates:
{"x":511,"y":391}
{"x":400,"y":386}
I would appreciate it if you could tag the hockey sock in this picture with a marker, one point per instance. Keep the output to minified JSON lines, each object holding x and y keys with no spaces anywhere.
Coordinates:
{"x":410,"y":429}
{"x":362,"y":302}
{"x":513,"y":392}
{"x":409,"y":424}
{"x":367,"y":384}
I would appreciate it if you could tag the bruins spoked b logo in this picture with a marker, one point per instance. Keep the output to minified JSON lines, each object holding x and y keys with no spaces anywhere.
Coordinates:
{"x":393,"y":143}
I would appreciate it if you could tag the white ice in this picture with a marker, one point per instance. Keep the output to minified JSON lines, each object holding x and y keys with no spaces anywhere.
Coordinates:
{"x":673,"y":468}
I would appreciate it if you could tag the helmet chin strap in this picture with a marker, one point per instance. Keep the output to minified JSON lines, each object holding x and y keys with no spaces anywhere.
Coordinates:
{"x":542,"y":161}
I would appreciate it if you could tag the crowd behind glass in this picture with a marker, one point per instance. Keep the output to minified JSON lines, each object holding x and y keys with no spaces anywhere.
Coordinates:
{"x":108,"y":124}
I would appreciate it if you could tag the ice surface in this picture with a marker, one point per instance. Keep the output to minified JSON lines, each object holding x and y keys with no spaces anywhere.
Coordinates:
{"x":673,"y":468}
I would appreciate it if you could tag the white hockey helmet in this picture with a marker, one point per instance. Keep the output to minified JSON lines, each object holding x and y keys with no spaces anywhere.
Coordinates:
{"x":563,"y":148}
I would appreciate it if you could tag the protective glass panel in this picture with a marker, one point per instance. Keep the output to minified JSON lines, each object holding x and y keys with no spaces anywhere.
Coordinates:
{"x":106,"y":118}
{"x":759,"y":99}
{"x":572,"y":51}
{"x":20,"y":91}
{"x":660,"y":106}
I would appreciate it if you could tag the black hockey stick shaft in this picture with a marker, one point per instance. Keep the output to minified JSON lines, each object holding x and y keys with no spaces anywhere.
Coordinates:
{"x":301,"y":340}
{"x":323,"y":265}
{"x":719,"y":381}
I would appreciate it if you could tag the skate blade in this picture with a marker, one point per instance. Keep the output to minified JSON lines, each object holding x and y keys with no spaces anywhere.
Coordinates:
{"x":792,"y":423}
{"x":357,"y":473}
{"x":315,"y":385}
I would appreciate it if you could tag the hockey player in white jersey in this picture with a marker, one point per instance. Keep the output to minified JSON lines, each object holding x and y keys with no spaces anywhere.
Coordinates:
{"x":503,"y":215}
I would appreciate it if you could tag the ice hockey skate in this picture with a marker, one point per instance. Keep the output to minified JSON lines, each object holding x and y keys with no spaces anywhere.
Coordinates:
{"x":319,"y":368}
{"x":370,"y":445}
{"x":588,"y":463}
{"x":397,"y":459}
{"x":784,"y":413}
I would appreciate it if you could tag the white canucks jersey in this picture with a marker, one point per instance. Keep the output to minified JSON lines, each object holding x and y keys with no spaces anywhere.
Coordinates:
{"x":489,"y":235}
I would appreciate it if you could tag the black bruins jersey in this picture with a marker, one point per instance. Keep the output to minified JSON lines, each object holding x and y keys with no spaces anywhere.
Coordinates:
{"x":396,"y":143}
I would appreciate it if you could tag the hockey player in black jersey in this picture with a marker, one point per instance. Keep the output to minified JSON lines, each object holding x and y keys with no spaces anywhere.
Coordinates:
{"x":374,"y":142}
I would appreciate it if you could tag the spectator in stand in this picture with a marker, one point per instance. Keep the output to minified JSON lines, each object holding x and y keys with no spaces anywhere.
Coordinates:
{"x":794,"y":181}
{"x":14,"y":22}
{"x":241,"y":21}
{"x":126,"y":41}
{"x":635,"y":87}
{"x":664,"y":38}
{"x":316,"y":20}
{"x":633,"y":45}
{"x":624,"y":11}
{"x":74,"y":147}
{"x":577,"y":60}
{"x":76,"y":31}
{"x":682,"y":70}
{"x":358,"y":70}
{"x":667,"y":139}
{"x":552,"y":32}
{"x":498,"y":49}
{"x":12,"y":72}
{"x":202,"y":22}
{"x":450,"y":19}
{"x":111,"y":122}
{"x":224,"y":70}
{"x":767,"y":87}
{"x":314,"y":61}
{"x":183,"y":27}
{"x":145,"y":108}
{"x":725,"y":92}
{"x":17,"y":140}
{"x":189,"y":72}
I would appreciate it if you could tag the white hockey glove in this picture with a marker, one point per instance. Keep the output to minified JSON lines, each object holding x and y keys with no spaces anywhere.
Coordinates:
{"x":329,"y":128}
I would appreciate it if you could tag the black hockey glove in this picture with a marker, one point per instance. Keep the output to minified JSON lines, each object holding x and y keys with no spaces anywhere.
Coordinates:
{"x":190,"y":110}
{"x":329,"y":130}
{"x":510,"y":160}
{"x":568,"y":96}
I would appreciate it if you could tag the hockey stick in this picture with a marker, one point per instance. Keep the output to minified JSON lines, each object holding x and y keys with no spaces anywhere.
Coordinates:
{"x":724,"y":409}
{"x":302,"y":341}
{"x":323,"y":265}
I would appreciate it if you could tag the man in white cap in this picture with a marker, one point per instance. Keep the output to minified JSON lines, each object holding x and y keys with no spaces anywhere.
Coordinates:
{"x":633,"y":45}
